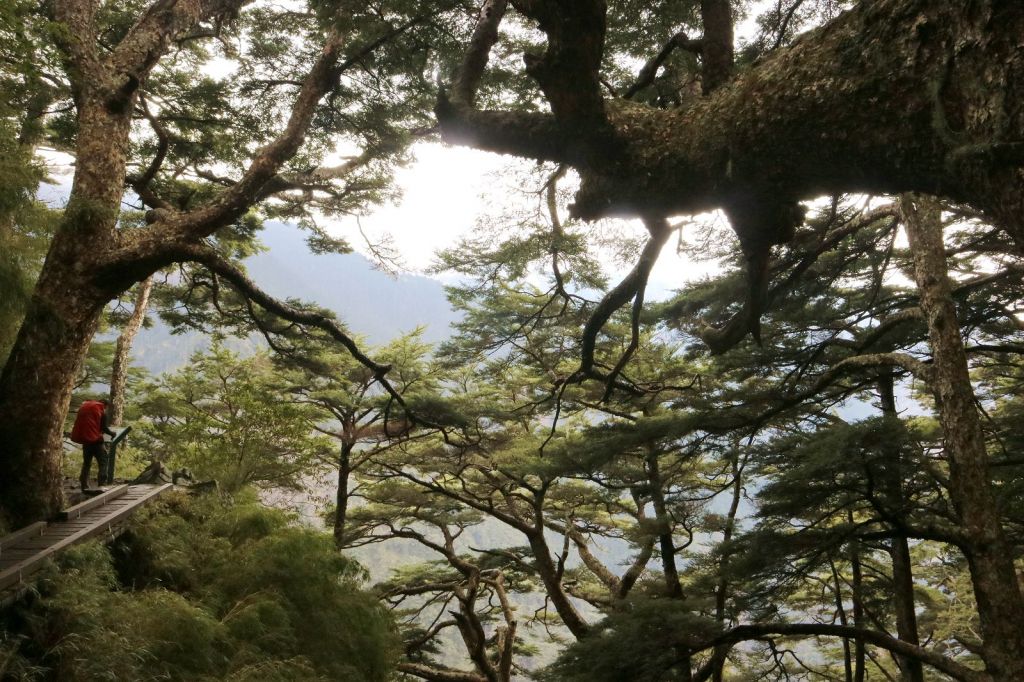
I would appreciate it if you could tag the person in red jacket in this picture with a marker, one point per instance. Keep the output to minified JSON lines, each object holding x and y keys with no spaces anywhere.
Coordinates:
{"x":90,"y":425}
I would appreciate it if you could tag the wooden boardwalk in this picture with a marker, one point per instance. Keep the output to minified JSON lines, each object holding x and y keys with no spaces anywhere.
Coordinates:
{"x":25,"y":551}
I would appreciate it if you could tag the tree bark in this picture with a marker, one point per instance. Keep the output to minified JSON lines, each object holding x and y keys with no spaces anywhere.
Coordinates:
{"x":857,"y":599}
{"x":666,"y":544}
{"x":122,"y":351}
{"x":865,"y":103}
{"x":911,"y":669}
{"x":62,"y":316}
{"x":989,"y":554}
{"x":341,"y":497}
{"x":843,"y":621}
{"x":716,"y":44}
{"x":567,"y":611}
{"x":722,"y":589}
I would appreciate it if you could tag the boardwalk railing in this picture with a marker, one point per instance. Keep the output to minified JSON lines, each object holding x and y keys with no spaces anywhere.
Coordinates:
{"x":25,"y":551}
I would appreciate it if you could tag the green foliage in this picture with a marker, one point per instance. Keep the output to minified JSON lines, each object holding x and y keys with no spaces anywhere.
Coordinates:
{"x":25,"y":223}
{"x":620,"y":475}
{"x":223,"y":418}
{"x":25,"y":229}
{"x":641,"y":642}
{"x":202,"y":589}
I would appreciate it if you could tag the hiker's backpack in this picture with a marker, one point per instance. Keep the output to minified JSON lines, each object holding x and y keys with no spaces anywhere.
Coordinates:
{"x":87,"y":423}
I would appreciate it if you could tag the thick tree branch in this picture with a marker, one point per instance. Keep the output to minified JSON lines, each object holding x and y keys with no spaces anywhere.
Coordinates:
{"x":234,"y":201}
{"x":438,"y":674}
{"x":474,"y":61}
{"x":79,"y":41}
{"x":650,"y":69}
{"x":170,"y":228}
{"x":160,"y":24}
{"x":743,"y":633}
{"x":568,"y":71}
{"x":822,"y":111}
{"x":532,"y":135}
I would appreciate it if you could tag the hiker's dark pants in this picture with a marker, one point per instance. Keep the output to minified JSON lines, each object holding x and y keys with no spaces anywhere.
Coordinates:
{"x":99,"y":452}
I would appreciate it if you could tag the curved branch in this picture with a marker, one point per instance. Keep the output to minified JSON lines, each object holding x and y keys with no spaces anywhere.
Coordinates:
{"x":743,"y":633}
{"x":438,"y":674}
{"x":141,"y":183}
{"x":237,"y":199}
{"x":209,"y":258}
{"x":158,"y":26}
{"x":650,"y":69}
{"x":759,"y":270}
{"x":631,"y":287}
{"x":215,"y":263}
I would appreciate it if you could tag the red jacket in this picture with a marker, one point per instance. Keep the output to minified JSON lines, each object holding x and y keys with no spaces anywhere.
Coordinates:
{"x":89,"y":426}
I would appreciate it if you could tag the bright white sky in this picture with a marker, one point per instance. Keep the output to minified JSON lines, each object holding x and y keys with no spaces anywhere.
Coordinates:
{"x":446,"y":189}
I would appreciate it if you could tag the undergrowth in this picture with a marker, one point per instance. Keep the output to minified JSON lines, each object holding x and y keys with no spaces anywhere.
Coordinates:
{"x":200,"y":589}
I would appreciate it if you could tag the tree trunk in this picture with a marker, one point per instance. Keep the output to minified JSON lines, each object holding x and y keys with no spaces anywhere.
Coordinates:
{"x":571,"y":617}
{"x":666,"y":543}
{"x":36,"y":382}
{"x":667,"y":546}
{"x":341,"y":497}
{"x":722,"y":589}
{"x":911,"y":669}
{"x":841,"y":613}
{"x":989,"y":555}
{"x":90,"y":261}
{"x":857,"y":599}
{"x":36,"y":386}
{"x":119,"y":374}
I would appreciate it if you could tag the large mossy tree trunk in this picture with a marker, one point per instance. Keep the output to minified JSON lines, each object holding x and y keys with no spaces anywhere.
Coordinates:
{"x":62,"y":316}
{"x":989,"y":555}
{"x":91,"y":261}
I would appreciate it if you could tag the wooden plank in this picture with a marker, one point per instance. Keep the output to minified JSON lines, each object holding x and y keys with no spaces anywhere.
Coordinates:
{"x":17,"y":536}
{"x":92,"y":503}
{"x":105,"y":523}
{"x":17,"y":555}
